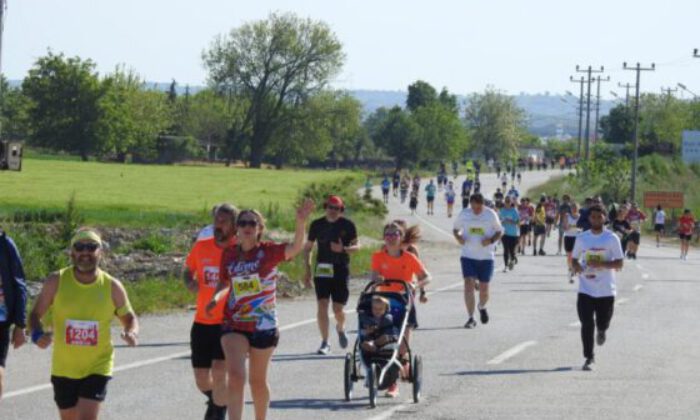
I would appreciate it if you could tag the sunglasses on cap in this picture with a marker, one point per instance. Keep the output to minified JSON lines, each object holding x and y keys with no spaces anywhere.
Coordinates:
{"x":244,"y":223}
{"x":391,"y":234}
{"x":334,"y":208}
{"x":85,"y":246}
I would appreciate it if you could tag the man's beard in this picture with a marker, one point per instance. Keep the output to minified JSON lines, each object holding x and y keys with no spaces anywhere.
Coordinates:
{"x":86,"y":265}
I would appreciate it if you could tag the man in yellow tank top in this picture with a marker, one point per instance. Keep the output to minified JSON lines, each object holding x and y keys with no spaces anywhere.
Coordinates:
{"x":83,"y":300}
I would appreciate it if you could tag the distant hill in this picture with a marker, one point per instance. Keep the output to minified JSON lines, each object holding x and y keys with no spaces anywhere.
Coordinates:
{"x":548,"y":114}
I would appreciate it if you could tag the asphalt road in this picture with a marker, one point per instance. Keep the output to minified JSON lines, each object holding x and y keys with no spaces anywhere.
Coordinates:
{"x":524,"y":364}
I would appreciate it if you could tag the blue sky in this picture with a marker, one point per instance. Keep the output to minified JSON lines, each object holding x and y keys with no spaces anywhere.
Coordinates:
{"x":465,"y":45}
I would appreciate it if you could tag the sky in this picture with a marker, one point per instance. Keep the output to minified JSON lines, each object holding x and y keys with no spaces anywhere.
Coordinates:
{"x":530,"y":46}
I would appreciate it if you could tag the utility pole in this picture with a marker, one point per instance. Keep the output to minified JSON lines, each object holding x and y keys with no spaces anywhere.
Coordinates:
{"x":3,"y":6}
{"x":597,"y":107}
{"x":580,"y":113}
{"x":627,"y":87}
{"x":695,"y":53}
{"x":589,"y":72}
{"x":668,"y":92}
{"x":639,"y":69}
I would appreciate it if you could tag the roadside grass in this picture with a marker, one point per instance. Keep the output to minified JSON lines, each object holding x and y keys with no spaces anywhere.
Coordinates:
{"x":153,"y":295}
{"x":147,"y":195}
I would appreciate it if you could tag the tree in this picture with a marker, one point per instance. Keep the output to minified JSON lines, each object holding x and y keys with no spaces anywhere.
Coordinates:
{"x":64,"y":96}
{"x":13,"y":111}
{"x":275,"y":65}
{"x":495,"y":123}
{"x":618,"y":126}
{"x":662,"y":121}
{"x":208,"y":119}
{"x":449,"y":101}
{"x":398,"y":135}
{"x":420,"y":94}
{"x":441,"y":135}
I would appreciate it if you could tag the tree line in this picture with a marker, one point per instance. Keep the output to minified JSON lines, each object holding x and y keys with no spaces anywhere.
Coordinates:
{"x":268,"y":100}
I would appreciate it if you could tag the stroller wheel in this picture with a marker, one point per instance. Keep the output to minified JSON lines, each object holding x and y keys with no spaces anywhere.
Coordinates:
{"x":348,"y":382}
{"x":417,"y":377}
{"x":372,"y":384}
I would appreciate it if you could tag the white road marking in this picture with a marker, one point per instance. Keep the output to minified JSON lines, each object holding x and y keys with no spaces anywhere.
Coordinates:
{"x":438,"y":229}
{"x":388,"y":413}
{"x":575,"y":324}
{"x":28,"y":390}
{"x":621,"y":301}
{"x":645,"y":276}
{"x":510,"y":353}
{"x":638,"y":287}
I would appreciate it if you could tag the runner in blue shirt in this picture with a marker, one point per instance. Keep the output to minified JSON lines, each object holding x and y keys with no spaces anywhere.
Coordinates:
{"x":430,"y":196}
{"x":510,"y":220}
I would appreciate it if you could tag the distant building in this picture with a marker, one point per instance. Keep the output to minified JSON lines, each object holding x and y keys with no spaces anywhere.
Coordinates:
{"x":11,"y":155}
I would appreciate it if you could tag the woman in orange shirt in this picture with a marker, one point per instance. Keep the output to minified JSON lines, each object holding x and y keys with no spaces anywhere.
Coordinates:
{"x":393,"y":263}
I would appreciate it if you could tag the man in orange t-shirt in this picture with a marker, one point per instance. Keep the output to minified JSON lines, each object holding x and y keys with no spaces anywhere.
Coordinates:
{"x":686,"y":227}
{"x":201,"y":276}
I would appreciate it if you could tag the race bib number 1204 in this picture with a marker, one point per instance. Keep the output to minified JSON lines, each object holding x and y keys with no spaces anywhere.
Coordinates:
{"x":81,"y":333}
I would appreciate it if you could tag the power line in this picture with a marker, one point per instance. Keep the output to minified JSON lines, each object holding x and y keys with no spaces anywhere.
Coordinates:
{"x":589,"y":71}
{"x":668,"y":91}
{"x":627,"y":87}
{"x":580,"y":112}
{"x":639,"y":69}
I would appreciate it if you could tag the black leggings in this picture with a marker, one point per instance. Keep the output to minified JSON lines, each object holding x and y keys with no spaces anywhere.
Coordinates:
{"x":509,"y":244}
{"x":588,"y":306}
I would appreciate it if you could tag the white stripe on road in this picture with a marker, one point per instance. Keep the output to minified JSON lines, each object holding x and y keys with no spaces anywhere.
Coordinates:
{"x":645,"y":276}
{"x":29,"y":390}
{"x":388,"y":413}
{"x":510,"y":353}
{"x":575,"y":324}
{"x":440,"y":230}
{"x":621,"y":301}
{"x":638,"y":287}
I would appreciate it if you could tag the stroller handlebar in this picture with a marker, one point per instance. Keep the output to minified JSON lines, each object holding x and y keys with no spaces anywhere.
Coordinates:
{"x":373,"y":285}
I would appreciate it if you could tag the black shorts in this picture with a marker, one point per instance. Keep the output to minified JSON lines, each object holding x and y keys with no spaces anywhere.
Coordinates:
{"x":633,"y":237}
{"x":5,"y":328}
{"x":335,"y":288}
{"x":205,"y":343}
{"x":524,"y":229}
{"x":66,"y":391}
{"x":549,"y":220}
{"x":540,"y":230}
{"x":569,"y":242}
{"x":259,"y":339}
{"x":430,"y":199}
{"x":680,"y":235}
{"x":659,"y":227}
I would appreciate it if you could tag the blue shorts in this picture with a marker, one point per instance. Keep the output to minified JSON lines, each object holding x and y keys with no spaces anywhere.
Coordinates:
{"x":481,"y":270}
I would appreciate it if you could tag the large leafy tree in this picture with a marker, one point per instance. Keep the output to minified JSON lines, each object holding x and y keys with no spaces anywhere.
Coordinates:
{"x":275,"y":64}
{"x":13,"y":111}
{"x":618,"y":126}
{"x":64,"y":104}
{"x":420,"y":93}
{"x":441,"y":134}
{"x":398,"y":135}
{"x":495,"y":123}
{"x":208,"y":118}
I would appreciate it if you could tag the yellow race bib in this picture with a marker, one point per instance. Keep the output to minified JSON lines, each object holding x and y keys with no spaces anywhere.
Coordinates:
{"x":244,"y":286}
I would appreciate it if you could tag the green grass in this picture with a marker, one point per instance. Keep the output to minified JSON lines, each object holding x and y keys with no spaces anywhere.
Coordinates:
{"x":143,"y":195}
{"x":158,"y":295}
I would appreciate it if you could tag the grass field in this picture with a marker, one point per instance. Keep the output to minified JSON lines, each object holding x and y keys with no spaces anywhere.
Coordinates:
{"x":118,"y":194}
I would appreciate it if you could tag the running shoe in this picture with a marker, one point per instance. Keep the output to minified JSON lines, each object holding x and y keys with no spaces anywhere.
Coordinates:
{"x":324,"y":349}
{"x":342,"y":339}
{"x":511,"y":265}
{"x":542,"y":253}
{"x":393,"y":390}
{"x":587,"y":365}
{"x":600,"y":339}
{"x":483,"y":316}
{"x":470,"y":324}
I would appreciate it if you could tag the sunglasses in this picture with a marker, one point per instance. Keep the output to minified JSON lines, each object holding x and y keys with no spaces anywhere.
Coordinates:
{"x":244,"y":223}
{"x":392,"y":234}
{"x":334,"y":208}
{"x":85,"y":246}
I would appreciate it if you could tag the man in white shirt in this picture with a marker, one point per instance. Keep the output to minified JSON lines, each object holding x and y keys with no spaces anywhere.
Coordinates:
{"x":477,"y":229}
{"x":659,"y":223}
{"x":596,"y":255}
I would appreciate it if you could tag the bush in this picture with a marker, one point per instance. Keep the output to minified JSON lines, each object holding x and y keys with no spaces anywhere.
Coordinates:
{"x":156,"y":243}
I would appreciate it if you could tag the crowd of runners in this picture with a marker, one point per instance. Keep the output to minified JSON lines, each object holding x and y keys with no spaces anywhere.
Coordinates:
{"x":233,"y":272}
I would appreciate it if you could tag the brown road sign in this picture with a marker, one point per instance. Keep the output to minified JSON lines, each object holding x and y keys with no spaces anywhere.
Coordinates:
{"x":667,"y":199}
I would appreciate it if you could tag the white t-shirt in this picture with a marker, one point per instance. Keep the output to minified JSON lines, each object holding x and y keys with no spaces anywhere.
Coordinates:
{"x":206,"y":233}
{"x":476,"y":228}
{"x":597,"y":282}
{"x":660,"y":217}
{"x":572,"y":230}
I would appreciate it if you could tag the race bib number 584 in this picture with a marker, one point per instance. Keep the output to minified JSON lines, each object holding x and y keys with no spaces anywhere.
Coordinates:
{"x":246,"y":286}
{"x":81,"y":333}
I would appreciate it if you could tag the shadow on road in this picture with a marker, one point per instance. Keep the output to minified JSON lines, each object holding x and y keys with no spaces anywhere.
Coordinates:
{"x":456,"y":327}
{"x":508,"y":372}
{"x":182,"y":343}
{"x":541,"y":290}
{"x":304,"y":356}
{"x":317,"y":404}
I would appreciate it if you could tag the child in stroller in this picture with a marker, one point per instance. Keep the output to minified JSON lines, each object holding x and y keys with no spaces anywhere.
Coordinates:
{"x":378,"y":333}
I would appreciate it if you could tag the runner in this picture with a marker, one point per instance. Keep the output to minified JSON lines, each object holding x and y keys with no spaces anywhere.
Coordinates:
{"x":525,"y":213}
{"x":621,"y":227}
{"x":571,"y":231}
{"x":248,"y":281}
{"x":520,"y":178}
{"x":513,"y":194}
{"x":477,"y":186}
{"x":393,"y":263}
{"x":13,"y":300}
{"x":477,"y":229}
{"x":201,"y":276}
{"x":416,"y":182}
{"x":659,"y":224}
{"x":510,"y":220}
{"x":386,"y":186}
{"x":450,"y":196}
{"x":550,"y":209}
{"x":430,"y":197}
{"x":466,"y":192}
{"x":368,"y":188}
{"x":405,"y":183}
{"x":413,"y":202}
{"x":564,"y":210}
{"x":336,"y":237}
{"x":498,"y":198}
{"x":396,"y":181}
{"x":83,"y":301}
{"x":635,"y":216}
{"x":686,"y":226}
{"x":539,"y":229}
{"x":455,"y":169}
{"x":596,"y":256}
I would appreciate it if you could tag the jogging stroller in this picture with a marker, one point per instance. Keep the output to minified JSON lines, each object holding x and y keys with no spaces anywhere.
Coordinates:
{"x":380,"y":369}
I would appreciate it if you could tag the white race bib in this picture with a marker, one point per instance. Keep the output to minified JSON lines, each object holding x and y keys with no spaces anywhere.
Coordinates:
{"x":81,"y":333}
{"x":324,"y":271}
{"x":211,"y":276}
{"x":244,"y":286}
